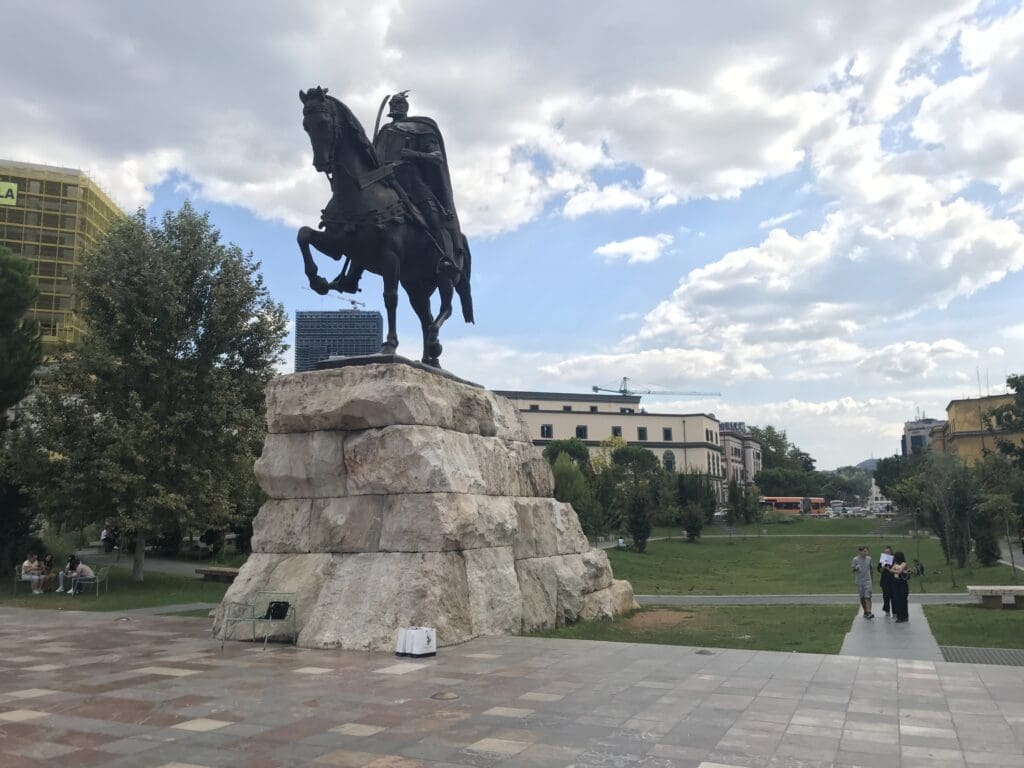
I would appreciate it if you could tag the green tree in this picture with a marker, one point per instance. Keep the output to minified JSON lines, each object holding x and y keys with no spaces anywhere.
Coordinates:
{"x":693,"y":520}
{"x":571,"y":487}
{"x":774,"y":446}
{"x":166,"y":389}
{"x":573,"y":447}
{"x":20,"y":355}
{"x":20,"y":348}
{"x":697,"y":488}
{"x":638,"y":473}
{"x":1010,"y":418}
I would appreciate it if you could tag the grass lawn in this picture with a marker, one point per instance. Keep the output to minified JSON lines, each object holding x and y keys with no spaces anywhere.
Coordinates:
{"x":977,"y":626}
{"x":157,"y":589}
{"x":804,"y":628}
{"x":777,"y":566}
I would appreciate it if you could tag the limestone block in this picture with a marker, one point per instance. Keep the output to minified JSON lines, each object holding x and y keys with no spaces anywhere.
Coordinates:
{"x":401,"y":459}
{"x":431,"y":522}
{"x":547,"y":527}
{"x":570,"y":574}
{"x":302,"y":575}
{"x":597,"y":570}
{"x":307,"y":465}
{"x":495,"y":604}
{"x":366,"y":598}
{"x":538,"y":585}
{"x":608,"y":603}
{"x":347,"y":524}
{"x":380,"y":395}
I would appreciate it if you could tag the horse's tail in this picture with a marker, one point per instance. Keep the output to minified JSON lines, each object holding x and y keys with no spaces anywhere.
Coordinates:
{"x":462,"y":287}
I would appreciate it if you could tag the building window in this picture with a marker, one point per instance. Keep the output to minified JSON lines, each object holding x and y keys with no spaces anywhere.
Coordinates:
{"x":534,"y":407}
{"x":616,"y":431}
{"x":593,"y":409}
{"x":668,"y":461}
{"x":567,"y":408}
{"x":581,"y":431}
{"x":666,"y":434}
{"x":641,"y":433}
{"x":547,"y":432}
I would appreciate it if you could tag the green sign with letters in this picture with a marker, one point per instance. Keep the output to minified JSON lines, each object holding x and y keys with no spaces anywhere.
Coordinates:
{"x":8,"y":193}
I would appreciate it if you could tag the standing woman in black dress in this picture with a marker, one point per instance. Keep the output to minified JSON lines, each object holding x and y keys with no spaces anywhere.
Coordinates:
{"x":900,"y":587}
{"x":885,"y":580}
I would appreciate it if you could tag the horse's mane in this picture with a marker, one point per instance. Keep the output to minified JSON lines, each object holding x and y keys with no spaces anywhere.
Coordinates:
{"x":352,"y":123}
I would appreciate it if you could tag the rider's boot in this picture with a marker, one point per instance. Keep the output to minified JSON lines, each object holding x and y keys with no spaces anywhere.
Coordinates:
{"x":450,"y":264}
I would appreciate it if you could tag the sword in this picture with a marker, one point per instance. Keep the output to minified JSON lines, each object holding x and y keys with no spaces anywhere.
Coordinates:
{"x":380,"y":111}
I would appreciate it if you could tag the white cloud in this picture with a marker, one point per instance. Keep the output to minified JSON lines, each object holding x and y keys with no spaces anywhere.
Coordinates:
{"x":636,"y":250}
{"x":914,"y":359}
{"x":997,"y":351}
{"x":668,"y":368}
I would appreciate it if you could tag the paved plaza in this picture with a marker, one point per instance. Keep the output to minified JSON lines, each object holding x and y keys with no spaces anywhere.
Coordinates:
{"x":108,"y":690}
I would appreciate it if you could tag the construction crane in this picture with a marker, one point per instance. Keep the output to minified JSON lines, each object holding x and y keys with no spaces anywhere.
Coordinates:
{"x":353,"y":302}
{"x":625,"y":390}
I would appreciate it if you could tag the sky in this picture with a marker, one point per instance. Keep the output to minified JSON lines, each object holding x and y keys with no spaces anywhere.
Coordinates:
{"x":812,"y":208}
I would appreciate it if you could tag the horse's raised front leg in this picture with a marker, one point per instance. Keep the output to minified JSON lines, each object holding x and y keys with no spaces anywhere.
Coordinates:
{"x":327,"y":243}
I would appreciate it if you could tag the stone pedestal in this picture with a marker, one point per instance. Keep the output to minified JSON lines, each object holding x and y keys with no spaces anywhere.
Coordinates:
{"x":401,"y":496}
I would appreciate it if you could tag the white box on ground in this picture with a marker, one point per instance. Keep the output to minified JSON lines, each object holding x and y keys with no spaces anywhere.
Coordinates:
{"x":416,"y":641}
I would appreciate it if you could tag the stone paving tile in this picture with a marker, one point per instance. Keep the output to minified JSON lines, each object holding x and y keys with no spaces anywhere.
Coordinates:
{"x":170,"y":695}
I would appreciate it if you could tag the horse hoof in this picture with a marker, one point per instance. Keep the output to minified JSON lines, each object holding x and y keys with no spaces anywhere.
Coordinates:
{"x":434,"y":350}
{"x":320,"y":285}
{"x":433,"y":362}
{"x":388,"y":349}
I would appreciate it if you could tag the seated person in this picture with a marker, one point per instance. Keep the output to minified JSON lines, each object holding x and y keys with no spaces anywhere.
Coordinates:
{"x":68,"y":572}
{"x":32,"y":572}
{"x":48,"y":572}
{"x":80,"y":574}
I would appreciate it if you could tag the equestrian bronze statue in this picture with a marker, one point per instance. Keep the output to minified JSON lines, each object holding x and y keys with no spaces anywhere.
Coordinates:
{"x":391,"y":213}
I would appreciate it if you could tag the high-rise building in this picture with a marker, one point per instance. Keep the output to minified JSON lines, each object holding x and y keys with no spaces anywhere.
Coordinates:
{"x":50,"y":216}
{"x":341,"y":333}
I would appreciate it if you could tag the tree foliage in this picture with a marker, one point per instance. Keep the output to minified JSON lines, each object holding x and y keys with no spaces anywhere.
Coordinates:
{"x":572,"y":447}
{"x":20,"y":348}
{"x":155,"y":417}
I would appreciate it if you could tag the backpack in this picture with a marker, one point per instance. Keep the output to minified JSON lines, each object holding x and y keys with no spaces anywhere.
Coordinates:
{"x":277,"y":610}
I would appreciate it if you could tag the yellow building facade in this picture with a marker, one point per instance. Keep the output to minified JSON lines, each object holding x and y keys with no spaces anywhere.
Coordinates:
{"x":50,"y":216}
{"x":970,"y":431}
{"x":688,"y":442}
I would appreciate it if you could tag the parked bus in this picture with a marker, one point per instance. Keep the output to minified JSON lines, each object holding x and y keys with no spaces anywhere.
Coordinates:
{"x":794,"y":505}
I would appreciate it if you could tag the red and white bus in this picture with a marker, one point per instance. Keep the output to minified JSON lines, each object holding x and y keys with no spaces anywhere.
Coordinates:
{"x":794,"y":505}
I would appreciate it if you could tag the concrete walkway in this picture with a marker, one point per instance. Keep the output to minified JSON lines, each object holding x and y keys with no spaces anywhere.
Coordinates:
{"x":928,"y":598}
{"x":884,"y":638}
{"x":154,"y":564}
{"x":1018,"y":557}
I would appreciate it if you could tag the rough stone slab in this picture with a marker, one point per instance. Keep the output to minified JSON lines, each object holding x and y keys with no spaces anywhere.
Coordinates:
{"x":538,"y":585}
{"x":366,"y":598}
{"x":609,"y":603}
{"x":347,"y":524}
{"x":381,"y":395}
{"x":432,"y":522}
{"x":597,"y":570}
{"x":547,"y":527}
{"x":401,"y":459}
{"x":570,"y":574}
{"x":495,"y":603}
{"x":295,"y":466}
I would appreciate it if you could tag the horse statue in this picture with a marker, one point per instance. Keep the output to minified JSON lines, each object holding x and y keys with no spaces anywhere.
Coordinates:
{"x":371,"y":221}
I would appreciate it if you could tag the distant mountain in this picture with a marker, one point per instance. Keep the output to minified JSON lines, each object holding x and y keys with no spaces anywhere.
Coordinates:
{"x":868,"y":465}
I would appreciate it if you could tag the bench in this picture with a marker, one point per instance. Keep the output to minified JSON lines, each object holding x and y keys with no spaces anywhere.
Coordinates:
{"x":270,"y":613}
{"x":214,"y":573}
{"x":102,"y":577}
{"x":992,"y":597}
